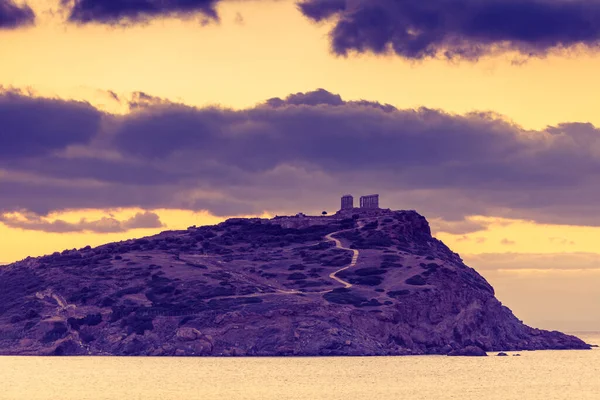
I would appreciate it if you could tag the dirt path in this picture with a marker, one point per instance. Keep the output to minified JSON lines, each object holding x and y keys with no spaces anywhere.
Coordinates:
{"x":333,"y":276}
{"x":338,"y":244}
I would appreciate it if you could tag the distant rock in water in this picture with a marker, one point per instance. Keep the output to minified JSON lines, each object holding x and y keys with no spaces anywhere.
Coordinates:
{"x":502,"y":354}
{"x":258,"y":287}
{"x":469,"y":351}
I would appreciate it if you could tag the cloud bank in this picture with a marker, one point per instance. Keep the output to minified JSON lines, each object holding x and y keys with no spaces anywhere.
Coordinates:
{"x":457,"y":29}
{"x":30,"y":221}
{"x":297,"y":153}
{"x":14,"y":16}
{"x":535,"y":261}
{"x":113,"y":12}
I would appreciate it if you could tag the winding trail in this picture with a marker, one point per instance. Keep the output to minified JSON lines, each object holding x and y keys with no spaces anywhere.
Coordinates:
{"x":333,"y":275}
{"x":338,"y":244}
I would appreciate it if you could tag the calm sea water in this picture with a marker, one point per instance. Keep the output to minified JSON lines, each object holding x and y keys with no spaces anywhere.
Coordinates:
{"x":535,"y":375}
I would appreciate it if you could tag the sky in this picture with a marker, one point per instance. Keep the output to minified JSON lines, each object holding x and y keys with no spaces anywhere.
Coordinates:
{"x":122,"y":119}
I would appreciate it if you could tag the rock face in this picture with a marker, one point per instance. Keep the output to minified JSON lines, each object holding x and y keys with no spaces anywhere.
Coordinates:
{"x":257,"y":287}
{"x":469,"y":351}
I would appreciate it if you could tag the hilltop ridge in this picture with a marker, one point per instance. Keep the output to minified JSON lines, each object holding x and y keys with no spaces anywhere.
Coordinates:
{"x":359,"y":282}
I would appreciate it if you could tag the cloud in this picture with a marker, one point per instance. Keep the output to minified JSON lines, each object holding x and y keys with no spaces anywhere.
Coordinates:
{"x":34,"y":222}
{"x":239,"y":19}
{"x":534,"y":261}
{"x":113,"y":12}
{"x":14,"y":16}
{"x":463,"y":29}
{"x":561,"y":241}
{"x":461,"y":227}
{"x":297,"y":153}
{"x":507,"y":242}
{"x":315,"y":98}
{"x":142,"y":100}
{"x":36,"y":126}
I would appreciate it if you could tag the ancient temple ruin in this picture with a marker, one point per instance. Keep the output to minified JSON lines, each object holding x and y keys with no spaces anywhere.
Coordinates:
{"x":347,"y":202}
{"x":366,"y":202}
{"x":370,"y":201}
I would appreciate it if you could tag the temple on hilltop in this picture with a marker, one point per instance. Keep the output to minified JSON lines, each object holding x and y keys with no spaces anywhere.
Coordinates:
{"x":347,"y":201}
{"x":369,"y":202}
{"x":369,"y":207}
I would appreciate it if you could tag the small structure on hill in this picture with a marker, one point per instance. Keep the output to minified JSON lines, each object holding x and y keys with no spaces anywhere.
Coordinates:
{"x":347,"y":202}
{"x":366,"y":202}
{"x":370,"y":201}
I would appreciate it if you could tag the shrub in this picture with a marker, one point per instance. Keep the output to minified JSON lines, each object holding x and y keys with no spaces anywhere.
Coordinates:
{"x":398,"y":293}
{"x":416,"y":280}
{"x":90,"y":320}
{"x":344,"y":296}
{"x":107,"y":302}
{"x":338,"y":261}
{"x":371,"y":226}
{"x":86,"y":337}
{"x":373,"y":280}
{"x":369,"y":271}
{"x":59,"y":331}
{"x":137,"y":324}
{"x":296,"y":276}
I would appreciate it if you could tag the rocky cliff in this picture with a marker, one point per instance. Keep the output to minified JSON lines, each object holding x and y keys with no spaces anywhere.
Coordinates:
{"x":355,"y":283}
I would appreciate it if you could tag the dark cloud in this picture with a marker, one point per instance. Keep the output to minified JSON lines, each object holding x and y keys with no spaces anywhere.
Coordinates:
{"x":142,"y":100}
{"x":296,"y":154}
{"x":133,"y":11}
{"x":34,"y":222}
{"x":36,"y":126}
{"x":323,"y":97}
{"x":114,"y":96}
{"x":14,"y":16}
{"x":320,"y":96}
{"x":468,"y":29}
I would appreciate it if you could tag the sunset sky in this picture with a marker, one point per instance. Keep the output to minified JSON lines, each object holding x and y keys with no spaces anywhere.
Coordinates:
{"x":121,"y":119}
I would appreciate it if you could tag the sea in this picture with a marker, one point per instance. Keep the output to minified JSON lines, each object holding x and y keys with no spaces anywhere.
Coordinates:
{"x":534,"y":375}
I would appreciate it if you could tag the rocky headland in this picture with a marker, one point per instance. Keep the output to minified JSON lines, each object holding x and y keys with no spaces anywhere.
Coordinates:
{"x":360,"y":282}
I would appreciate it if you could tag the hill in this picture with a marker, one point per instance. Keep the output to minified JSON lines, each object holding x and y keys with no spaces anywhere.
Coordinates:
{"x":360,"y":282}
